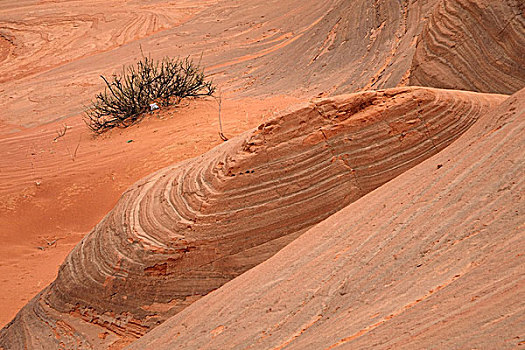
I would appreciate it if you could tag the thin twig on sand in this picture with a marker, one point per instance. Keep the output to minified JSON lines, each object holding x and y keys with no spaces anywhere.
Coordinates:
{"x":219,"y":101}
{"x":61,"y":132}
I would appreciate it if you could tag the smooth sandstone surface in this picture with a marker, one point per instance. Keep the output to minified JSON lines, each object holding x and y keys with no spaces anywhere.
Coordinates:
{"x":432,"y":259}
{"x":188,"y":229}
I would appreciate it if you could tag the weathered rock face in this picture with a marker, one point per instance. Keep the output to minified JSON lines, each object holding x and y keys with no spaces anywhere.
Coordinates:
{"x":433,"y":259}
{"x":472,"y":45}
{"x":188,"y":229}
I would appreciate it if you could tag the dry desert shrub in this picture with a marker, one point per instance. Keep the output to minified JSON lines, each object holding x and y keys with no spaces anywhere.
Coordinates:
{"x":127,"y":96}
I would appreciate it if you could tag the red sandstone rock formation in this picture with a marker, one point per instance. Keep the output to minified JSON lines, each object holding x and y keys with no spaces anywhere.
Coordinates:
{"x":472,"y":45}
{"x":189,"y":228}
{"x":432,"y":259}
{"x":392,"y":263}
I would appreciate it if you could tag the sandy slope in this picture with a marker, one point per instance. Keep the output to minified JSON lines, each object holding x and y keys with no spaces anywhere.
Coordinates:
{"x":432,"y":259}
{"x":52,"y":52}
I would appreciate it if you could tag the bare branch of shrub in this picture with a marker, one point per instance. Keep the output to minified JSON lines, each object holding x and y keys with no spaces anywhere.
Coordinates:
{"x":61,"y":132}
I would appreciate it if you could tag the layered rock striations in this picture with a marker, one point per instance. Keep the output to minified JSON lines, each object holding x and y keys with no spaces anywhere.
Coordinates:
{"x":432,"y":259}
{"x":188,"y":229}
{"x":340,"y":46}
{"x":249,"y":47}
{"x":252,"y":48}
{"x":474,"y":45}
